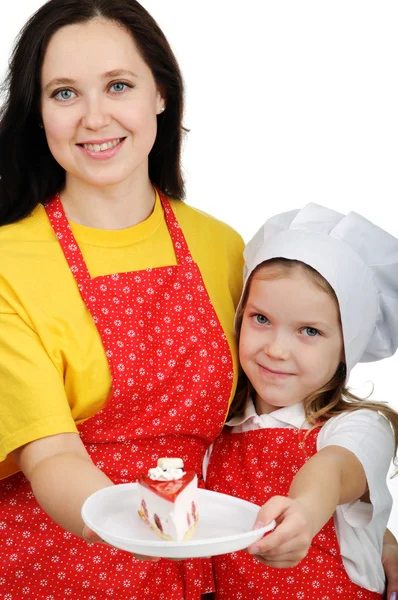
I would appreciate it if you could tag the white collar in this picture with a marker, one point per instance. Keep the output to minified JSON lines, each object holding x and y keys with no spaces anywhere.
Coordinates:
{"x":291,"y":415}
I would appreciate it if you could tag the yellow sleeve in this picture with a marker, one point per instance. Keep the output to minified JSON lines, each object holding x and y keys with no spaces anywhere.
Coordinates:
{"x":31,"y":406}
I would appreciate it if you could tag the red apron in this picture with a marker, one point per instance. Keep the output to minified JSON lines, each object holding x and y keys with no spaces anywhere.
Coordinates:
{"x":255,"y":466}
{"x":171,"y":371}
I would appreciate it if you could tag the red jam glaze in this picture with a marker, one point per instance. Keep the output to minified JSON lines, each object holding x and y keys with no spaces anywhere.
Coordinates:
{"x":194,"y":512}
{"x":144,"y":508}
{"x":168,"y":490}
{"x":158,"y":522}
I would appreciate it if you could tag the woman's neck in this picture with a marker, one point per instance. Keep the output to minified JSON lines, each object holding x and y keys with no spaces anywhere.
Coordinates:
{"x":112,"y":207}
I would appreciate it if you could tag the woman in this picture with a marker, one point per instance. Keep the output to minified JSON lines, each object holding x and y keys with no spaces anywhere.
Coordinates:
{"x":117,"y":299}
{"x":105,"y":365}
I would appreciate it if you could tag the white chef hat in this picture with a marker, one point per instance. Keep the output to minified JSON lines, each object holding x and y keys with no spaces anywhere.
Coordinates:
{"x":358,"y":259}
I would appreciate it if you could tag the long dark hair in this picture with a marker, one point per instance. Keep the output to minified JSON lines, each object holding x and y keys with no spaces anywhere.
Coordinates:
{"x":29,"y":174}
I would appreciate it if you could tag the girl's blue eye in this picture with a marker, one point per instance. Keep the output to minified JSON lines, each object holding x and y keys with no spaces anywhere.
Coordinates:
{"x":118,"y":87}
{"x":261,"y":319}
{"x":310,"y":331}
{"x":64,"y":95}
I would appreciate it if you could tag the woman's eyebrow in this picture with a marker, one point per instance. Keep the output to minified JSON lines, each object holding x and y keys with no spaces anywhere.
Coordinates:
{"x":107,"y":75}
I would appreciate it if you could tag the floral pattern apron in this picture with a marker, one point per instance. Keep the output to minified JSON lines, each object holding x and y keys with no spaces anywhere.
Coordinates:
{"x":256,"y":465}
{"x":172,"y":373}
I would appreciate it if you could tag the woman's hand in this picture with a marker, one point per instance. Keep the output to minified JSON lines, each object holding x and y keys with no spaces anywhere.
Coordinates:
{"x":92,"y":538}
{"x":390,"y":565}
{"x":288,"y":544}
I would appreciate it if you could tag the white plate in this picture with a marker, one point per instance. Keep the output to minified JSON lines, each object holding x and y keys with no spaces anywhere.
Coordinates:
{"x":225,"y":524}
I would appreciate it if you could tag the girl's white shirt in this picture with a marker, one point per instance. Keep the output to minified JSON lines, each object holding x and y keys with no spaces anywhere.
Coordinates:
{"x":359,"y":526}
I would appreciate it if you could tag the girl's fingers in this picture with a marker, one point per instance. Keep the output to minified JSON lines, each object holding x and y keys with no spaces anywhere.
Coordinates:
{"x":285,"y":533}
{"x":296,"y":545}
{"x":272,"y":510}
{"x":286,"y":561}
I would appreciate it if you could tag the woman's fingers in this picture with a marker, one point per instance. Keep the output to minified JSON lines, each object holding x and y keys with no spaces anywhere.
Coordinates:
{"x":92,"y":538}
{"x":147,"y":558}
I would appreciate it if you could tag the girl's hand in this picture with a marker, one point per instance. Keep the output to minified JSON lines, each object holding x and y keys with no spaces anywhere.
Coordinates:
{"x":288,"y":544}
{"x":390,"y":565}
{"x":92,"y":538}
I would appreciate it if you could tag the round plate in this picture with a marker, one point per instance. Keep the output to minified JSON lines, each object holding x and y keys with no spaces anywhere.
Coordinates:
{"x":225,"y":524}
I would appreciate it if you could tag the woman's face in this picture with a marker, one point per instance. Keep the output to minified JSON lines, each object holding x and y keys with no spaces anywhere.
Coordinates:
{"x":99,"y":104}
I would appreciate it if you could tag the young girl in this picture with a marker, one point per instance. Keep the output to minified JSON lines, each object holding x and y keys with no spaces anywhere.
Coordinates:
{"x":320,"y":295}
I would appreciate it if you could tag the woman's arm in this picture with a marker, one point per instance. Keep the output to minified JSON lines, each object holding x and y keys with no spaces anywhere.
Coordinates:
{"x":390,"y":564}
{"x":331,"y":477}
{"x":62,"y":477}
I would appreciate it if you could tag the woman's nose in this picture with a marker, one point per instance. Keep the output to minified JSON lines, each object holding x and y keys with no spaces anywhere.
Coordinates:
{"x":95,"y":115}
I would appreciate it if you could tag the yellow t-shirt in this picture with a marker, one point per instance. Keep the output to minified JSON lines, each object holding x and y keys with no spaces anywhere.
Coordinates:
{"x":53,"y":369}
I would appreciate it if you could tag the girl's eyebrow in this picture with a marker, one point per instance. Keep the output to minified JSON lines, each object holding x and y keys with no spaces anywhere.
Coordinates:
{"x":298,"y":323}
{"x":252,"y":306}
{"x":107,"y":75}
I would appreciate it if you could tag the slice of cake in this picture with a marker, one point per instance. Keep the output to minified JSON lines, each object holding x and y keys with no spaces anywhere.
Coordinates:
{"x":169,"y":499}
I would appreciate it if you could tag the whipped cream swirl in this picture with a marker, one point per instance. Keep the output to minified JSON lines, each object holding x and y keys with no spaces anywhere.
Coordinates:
{"x":158,"y":474}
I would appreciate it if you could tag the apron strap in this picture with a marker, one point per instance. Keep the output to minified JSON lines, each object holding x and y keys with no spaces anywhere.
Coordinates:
{"x":70,"y":247}
{"x":72,"y":252}
{"x":181,"y":249}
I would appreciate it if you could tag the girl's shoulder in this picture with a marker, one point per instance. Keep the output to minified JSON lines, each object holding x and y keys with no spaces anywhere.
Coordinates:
{"x":360,"y":415}
{"x":363,"y":428}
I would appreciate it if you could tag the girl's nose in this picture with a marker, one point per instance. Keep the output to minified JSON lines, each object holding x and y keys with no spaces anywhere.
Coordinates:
{"x":277,"y":347}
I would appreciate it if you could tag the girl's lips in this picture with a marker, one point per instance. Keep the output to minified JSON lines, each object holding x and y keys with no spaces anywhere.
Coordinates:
{"x":104,"y":154}
{"x":274,"y":374}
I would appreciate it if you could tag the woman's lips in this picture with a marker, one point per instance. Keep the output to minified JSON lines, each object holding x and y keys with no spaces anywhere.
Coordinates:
{"x":102,"y":154}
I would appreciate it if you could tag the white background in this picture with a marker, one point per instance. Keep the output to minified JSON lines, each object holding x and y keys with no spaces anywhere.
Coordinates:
{"x":287,"y":103}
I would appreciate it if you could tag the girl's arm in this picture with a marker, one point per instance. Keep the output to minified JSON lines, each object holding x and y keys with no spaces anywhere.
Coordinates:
{"x":331,"y":477}
{"x":390,"y":564}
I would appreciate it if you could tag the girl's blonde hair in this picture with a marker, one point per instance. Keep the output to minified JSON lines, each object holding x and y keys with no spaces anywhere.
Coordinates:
{"x":334,"y":397}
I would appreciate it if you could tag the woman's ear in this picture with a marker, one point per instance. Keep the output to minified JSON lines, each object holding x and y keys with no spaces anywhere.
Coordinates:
{"x":160,"y":102}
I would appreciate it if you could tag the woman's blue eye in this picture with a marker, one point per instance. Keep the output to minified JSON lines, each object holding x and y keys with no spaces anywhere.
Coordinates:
{"x":261,"y":320}
{"x":310,"y":331}
{"x":119,"y":87}
{"x":64,"y":95}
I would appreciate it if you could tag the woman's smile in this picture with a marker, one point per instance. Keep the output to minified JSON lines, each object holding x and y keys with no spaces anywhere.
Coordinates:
{"x":102,"y":150}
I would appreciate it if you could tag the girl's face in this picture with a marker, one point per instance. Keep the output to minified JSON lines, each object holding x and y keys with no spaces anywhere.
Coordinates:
{"x":99,"y":103}
{"x":290,"y":341}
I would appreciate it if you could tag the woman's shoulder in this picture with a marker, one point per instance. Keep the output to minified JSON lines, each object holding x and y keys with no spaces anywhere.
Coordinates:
{"x":27,"y":248}
{"x":33,"y":228}
{"x":191,"y":217}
